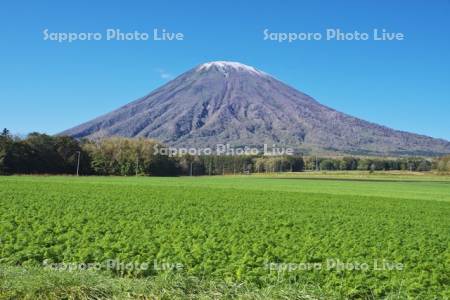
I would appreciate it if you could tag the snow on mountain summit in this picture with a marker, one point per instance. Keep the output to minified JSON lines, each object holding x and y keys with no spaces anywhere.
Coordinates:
{"x":226,"y":66}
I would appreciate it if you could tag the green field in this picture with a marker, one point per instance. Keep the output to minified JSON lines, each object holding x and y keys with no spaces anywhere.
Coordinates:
{"x":252,"y":237}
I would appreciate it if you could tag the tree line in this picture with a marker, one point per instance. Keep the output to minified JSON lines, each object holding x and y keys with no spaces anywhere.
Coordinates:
{"x":44,"y":154}
{"x":369,"y":164}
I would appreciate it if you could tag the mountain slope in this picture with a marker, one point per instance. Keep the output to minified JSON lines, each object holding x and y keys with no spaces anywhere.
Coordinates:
{"x":228,"y":102}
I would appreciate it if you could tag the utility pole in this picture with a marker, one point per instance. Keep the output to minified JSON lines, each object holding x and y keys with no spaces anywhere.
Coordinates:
{"x":78,"y":163}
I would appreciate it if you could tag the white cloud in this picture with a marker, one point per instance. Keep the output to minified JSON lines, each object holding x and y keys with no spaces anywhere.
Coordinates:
{"x":164,"y":74}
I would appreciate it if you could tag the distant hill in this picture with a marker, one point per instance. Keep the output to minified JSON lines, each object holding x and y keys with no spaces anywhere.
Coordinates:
{"x":228,"y":102}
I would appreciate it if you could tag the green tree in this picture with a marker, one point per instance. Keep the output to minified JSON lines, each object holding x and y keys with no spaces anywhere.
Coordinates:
{"x":348,"y":163}
{"x":364,"y":164}
{"x":424,"y":166}
{"x":327,"y":164}
{"x":296,"y":163}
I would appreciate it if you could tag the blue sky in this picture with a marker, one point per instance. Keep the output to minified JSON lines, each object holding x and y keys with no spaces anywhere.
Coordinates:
{"x":48,"y":86}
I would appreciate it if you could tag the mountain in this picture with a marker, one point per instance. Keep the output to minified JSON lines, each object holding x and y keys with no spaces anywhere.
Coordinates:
{"x":229,"y":102}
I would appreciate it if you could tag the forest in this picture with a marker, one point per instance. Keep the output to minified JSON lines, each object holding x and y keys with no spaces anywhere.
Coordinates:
{"x":39,"y":153}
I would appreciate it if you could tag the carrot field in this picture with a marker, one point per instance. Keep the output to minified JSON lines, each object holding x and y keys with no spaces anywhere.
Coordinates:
{"x":339,"y":236}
